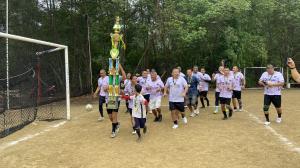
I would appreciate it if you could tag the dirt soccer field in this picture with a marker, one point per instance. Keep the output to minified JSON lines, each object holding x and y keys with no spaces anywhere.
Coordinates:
{"x":205,"y":142}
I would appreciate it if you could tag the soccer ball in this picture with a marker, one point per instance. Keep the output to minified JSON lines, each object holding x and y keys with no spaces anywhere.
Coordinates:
{"x":88,"y":107}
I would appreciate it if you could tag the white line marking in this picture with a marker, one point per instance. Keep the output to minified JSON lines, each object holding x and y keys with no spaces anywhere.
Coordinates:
{"x":291,"y":145}
{"x":28,"y":137}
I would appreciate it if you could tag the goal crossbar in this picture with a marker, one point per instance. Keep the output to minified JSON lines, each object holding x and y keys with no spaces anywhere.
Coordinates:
{"x":58,"y":47}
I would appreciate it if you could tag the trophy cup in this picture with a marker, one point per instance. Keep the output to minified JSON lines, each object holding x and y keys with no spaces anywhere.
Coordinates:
{"x":114,"y":77}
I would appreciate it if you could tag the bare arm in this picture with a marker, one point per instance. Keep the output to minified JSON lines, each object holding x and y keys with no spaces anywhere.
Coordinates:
{"x":166,"y":90}
{"x":186,"y":88}
{"x":122,"y":72}
{"x":261,"y":83}
{"x":97,"y":91}
{"x":295,"y":73}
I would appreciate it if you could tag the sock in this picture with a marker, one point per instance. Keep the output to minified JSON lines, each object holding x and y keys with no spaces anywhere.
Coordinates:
{"x":217,"y":108}
{"x":133,"y":128}
{"x":207,"y":101}
{"x":138,"y":132}
{"x":114,"y":125}
{"x":175,"y":122}
{"x":240,"y":103}
{"x":230,"y":112}
{"x":159,"y":111}
{"x":224,"y":113}
{"x":279,"y":115}
{"x":202,"y":102}
{"x":267,"y":117}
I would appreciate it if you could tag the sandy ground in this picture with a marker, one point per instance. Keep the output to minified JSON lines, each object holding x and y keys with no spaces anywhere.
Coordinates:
{"x":205,"y":142}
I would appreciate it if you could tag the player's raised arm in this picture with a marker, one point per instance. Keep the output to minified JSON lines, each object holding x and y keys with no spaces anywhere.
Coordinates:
{"x":122,"y":72}
{"x":295,"y":73}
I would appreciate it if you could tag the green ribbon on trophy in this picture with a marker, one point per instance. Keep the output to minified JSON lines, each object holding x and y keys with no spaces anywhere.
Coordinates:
{"x":114,"y":77}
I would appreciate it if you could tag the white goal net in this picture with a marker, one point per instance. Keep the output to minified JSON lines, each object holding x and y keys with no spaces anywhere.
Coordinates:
{"x":34,"y":82}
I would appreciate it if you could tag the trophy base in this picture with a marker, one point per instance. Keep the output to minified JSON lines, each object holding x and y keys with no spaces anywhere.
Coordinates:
{"x":113,"y":102}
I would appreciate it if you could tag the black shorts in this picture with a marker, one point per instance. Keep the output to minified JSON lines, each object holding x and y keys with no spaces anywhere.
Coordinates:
{"x":130,"y":111}
{"x":203,"y":93}
{"x":274,"y":99}
{"x":147,"y":97}
{"x":139,"y":123}
{"x":224,"y":100}
{"x":237,"y":94}
{"x":110,"y":111}
{"x":176,"y":106}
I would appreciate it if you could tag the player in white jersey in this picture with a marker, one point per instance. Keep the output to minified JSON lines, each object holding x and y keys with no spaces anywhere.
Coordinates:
{"x":203,"y":87}
{"x":156,"y":88}
{"x":272,"y":81}
{"x":143,"y":81}
{"x":127,"y":82}
{"x":180,"y":71}
{"x":215,"y":78}
{"x":239,"y":83}
{"x":177,"y":88}
{"x":294,"y":72}
{"x":197,"y":74}
{"x":130,"y":91}
{"x":225,"y":85}
{"x":102,"y":90}
{"x":139,"y":111}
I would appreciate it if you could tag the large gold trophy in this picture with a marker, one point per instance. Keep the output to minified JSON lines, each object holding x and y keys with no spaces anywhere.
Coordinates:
{"x":114,"y":77}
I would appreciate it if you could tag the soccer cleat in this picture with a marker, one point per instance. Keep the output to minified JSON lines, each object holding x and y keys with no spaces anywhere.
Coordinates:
{"x":278,"y":120}
{"x":184,"y":120}
{"x":225,"y":118}
{"x":235,"y":110}
{"x":145,"y":129}
{"x":216,"y":110}
{"x":185,"y":106}
{"x":267,"y":123}
{"x":113,"y":134}
{"x":150,"y":112}
{"x":133,"y":132}
{"x":240,"y":110}
{"x":100,"y":118}
{"x":175,"y":126}
{"x":202,"y":107}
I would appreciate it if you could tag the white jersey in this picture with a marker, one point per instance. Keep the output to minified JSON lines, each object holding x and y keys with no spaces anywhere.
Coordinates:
{"x":204,"y":84}
{"x":225,"y":86}
{"x":144,"y":82}
{"x":217,"y":80}
{"x":182,"y":74}
{"x":139,"y":108}
{"x":277,"y":77}
{"x":238,"y":81}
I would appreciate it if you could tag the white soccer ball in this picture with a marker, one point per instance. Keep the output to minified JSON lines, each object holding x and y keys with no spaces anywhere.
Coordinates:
{"x":88,"y":107}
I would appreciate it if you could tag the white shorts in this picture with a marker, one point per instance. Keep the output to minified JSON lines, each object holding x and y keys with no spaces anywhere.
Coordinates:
{"x":155,"y":103}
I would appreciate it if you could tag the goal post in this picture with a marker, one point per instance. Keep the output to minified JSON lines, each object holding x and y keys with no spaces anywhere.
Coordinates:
{"x":36,"y":82}
{"x":252,"y":75}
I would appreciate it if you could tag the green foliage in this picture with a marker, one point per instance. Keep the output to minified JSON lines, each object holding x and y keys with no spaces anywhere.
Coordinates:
{"x":162,"y":34}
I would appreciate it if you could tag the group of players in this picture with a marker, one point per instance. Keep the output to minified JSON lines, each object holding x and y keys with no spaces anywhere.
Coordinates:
{"x":143,"y":94}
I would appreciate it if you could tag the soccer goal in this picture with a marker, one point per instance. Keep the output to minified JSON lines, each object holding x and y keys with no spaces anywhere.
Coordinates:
{"x":252,"y":75}
{"x":34,"y":82}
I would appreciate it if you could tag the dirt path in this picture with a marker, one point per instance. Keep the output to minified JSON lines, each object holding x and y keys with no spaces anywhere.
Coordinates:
{"x":206,"y":141}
